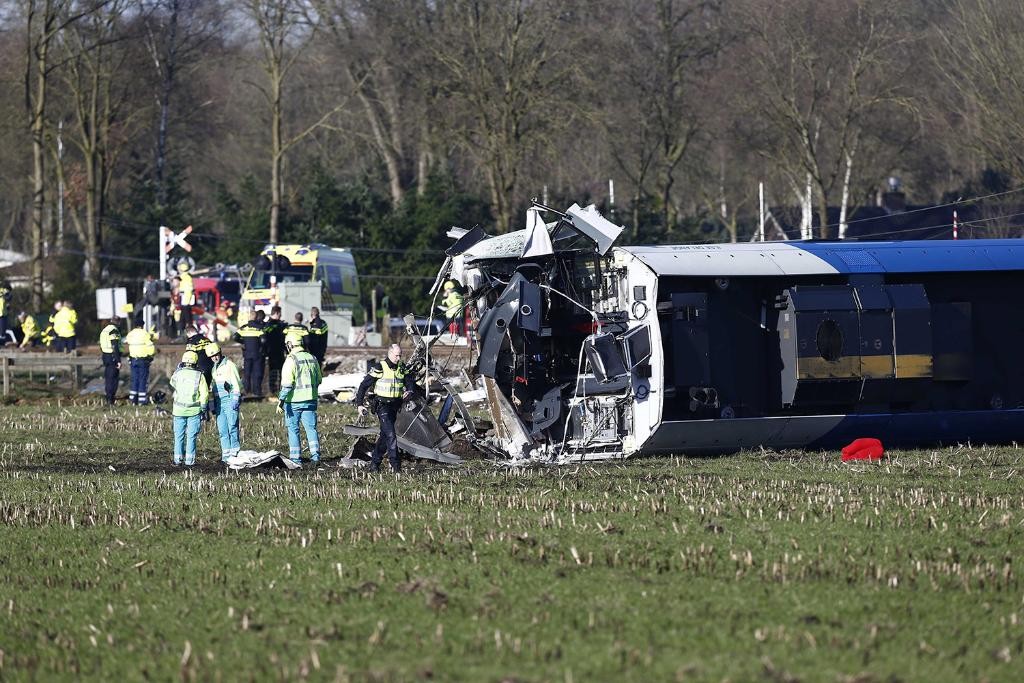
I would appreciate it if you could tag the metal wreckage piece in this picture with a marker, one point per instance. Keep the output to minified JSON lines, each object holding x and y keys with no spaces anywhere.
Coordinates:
{"x":421,"y":434}
{"x":589,"y":351}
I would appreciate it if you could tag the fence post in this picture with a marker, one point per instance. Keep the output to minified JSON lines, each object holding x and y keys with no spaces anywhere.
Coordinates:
{"x":5,"y":367}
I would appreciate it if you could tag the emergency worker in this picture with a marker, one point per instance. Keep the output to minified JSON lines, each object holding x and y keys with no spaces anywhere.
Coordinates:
{"x":296,"y":331}
{"x":195,"y":341}
{"x":225,"y":400}
{"x":5,"y":294}
{"x":29,"y":330}
{"x":186,"y":293}
{"x":64,"y":322}
{"x":191,"y":396}
{"x":300,"y":381}
{"x":452,"y":304}
{"x":141,"y":351}
{"x":390,"y":383}
{"x":250,"y":336}
{"x":316,"y":342}
{"x":110,"y":347}
{"x":224,"y":314}
{"x":273,"y":338}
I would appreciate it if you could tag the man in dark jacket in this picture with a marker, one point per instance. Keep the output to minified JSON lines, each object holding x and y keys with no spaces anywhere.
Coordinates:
{"x":194,"y":341}
{"x":273,"y":347}
{"x":251,"y":337}
{"x":390,"y":383}
{"x":316,"y":342}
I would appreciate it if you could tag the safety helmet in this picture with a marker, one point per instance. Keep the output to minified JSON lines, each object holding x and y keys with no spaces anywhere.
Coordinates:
{"x":183,"y":266}
{"x":449,"y":284}
{"x":294,"y":343}
{"x":189,"y":358}
{"x":212,"y":349}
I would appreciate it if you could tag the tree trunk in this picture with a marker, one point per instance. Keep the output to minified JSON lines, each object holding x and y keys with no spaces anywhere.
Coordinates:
{"x":166,"y":86}
{"x":37,"y":122}
{"x":277,"y":155}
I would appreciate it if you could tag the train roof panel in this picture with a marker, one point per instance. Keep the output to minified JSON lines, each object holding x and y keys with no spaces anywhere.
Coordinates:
{"x":818,"y":258}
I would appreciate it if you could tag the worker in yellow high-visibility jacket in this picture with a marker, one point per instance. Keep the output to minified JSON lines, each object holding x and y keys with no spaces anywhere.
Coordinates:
{"x":64,"y":322}
{"x":141,"y":350}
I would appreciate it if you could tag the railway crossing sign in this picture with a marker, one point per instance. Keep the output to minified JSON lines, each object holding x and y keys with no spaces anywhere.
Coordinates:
{"x":168,"y":240}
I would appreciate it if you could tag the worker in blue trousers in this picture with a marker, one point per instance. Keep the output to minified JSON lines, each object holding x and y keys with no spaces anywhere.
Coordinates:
{"x":191,"y":395}
{"x":300,"y":381}
{"x":225,"y":400}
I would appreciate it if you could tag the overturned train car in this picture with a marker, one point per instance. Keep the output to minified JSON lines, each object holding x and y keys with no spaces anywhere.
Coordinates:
{"x":589,"y":351}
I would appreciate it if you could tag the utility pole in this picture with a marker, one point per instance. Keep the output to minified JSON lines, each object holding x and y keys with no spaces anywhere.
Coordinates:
{"x":760,"y":212}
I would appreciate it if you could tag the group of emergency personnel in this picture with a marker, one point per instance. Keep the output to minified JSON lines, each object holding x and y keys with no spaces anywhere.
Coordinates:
{"x":206,"y":383}
{"x":264,"y":346}
{"x":61,"y":333}
{"x":200,"y":394}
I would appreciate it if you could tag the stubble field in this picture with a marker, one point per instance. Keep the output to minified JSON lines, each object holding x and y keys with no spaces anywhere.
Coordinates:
{"x":759,"y":566}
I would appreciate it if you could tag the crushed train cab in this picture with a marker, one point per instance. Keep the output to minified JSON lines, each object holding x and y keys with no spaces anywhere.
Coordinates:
{"x":589,"y":351}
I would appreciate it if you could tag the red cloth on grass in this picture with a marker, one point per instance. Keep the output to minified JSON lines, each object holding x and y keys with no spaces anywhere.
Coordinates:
{"x":863,"y":449}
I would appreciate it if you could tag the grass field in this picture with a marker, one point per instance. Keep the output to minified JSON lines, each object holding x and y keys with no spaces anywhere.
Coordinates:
{"x":760,"y":566}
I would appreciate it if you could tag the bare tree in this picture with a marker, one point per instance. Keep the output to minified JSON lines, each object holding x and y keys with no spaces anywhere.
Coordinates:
{"x":96,"y":72}
{"x":657,"y":112}
{"x":44,"y":22}
{"x":378,"y":45}
{"x":176,"y":33}
{"x":286,"y":28}
{"x":815,"y":100}
{"x":509,"y":72}
{"x":981,"y":55}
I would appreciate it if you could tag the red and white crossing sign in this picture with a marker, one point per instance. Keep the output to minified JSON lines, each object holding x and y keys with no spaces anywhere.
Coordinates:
{"x":171,"y":239}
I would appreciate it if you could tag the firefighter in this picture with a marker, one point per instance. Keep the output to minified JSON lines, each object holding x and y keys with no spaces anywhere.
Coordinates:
{"x":225,"y":400}
{"x":191,"y":396}
{"x":300,"y":380}
{"x":186,"y":293}
{"x":391,"y":384}
{"x":296,"y":330}
{"x":64,"y":322}
{"x":141,"y":350}
{"x":273,"y":347}
{"x":110,"y":347}
{"x":250,"y":336}
{"x":29,"y":330}
{"x":452,"y":304}
{"x":316,"y":342}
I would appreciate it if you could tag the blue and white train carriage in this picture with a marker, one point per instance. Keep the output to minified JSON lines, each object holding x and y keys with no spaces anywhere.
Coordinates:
{"x":592,"y":351}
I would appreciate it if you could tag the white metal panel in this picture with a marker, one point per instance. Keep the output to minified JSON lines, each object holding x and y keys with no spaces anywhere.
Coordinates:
{"x":731,"y":260}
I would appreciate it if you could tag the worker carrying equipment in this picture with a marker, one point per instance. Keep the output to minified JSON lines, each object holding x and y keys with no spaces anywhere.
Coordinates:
{"x":300,"y":381}
{"x":191,"y":396}
{"x":141,"y":350}
{"x":391,"y":383}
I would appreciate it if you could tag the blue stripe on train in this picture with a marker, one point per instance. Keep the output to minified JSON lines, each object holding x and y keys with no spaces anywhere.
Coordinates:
{"x":919,"y":256}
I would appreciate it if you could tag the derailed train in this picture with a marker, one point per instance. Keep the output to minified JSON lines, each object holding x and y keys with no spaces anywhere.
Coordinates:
{"x":589,"y":351}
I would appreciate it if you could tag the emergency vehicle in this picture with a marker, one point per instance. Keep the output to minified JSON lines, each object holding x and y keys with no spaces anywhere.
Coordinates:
{"x":335,"y":269}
